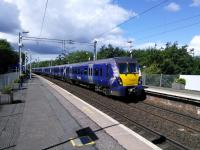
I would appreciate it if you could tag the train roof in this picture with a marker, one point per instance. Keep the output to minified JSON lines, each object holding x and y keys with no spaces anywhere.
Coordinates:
{"x":108,"y":60}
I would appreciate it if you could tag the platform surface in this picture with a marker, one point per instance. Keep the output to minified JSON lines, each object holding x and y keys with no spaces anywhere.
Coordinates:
{"x":10,"y":119}
{"x":186,"y":94}
{"x":47,"y":122}
{"x":123,"y":135}
{"x":51,"y":115}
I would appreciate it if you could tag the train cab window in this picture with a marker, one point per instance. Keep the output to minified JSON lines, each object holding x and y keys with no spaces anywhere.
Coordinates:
{"x":91,"y":71}
{"x":123,"y":68}
{"x":132,"y":68}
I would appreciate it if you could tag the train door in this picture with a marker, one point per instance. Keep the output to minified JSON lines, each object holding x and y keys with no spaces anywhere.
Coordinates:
{"x":90,"y":73}
{"x":64,"y":71}
{"x":108,"y":74}
{"x":70,"y":72}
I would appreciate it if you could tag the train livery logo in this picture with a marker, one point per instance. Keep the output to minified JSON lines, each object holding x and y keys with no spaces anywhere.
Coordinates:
{"x":64,"y":71}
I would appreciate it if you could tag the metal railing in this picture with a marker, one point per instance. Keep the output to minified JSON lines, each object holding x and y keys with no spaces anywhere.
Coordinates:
{"x":161,"y":80}
{"x":8,"y":79}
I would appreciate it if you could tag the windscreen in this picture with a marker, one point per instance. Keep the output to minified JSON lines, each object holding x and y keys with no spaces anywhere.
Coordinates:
{"x":125,"y":68}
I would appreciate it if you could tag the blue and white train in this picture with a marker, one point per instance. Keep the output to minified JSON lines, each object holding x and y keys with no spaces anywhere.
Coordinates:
{"x":114,"y":76}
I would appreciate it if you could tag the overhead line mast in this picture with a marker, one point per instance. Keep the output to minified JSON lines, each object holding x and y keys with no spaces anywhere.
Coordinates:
{"x":46,"y":5}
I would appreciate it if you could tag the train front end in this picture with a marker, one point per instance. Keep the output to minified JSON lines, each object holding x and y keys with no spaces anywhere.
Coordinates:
{"x":128,"y":79}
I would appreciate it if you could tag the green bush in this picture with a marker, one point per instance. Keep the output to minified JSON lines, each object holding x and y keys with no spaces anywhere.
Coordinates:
{"x":181,"y":81}
{"x":16,"y":81}
{"x":23,"y":75}
{"x":7,"y":90}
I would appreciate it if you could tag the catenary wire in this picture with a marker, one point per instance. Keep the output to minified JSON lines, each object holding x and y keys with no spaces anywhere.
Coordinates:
{"x":141,"y":13}
{"x":171,"y":30}
{"x":169,"y":23}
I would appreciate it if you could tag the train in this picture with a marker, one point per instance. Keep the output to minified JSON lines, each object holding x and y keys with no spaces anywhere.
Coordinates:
{"x":119,"y":76}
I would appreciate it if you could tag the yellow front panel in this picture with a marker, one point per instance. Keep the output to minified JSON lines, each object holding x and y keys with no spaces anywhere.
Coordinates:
{"x":129,"y":79}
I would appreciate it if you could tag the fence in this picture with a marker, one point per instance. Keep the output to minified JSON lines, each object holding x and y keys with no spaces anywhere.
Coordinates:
{"x":161,"y":80}
{"x":7,"y":79}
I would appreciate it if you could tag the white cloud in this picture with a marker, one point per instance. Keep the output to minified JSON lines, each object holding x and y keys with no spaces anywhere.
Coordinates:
{"x":146,"y":45}
{"x":70,"y":19}
{"x":8,"y":37}
{"x":195,"y":44}
{"x":79,"y":20}
{"x":116,"y":41}
{"x":173,"y":7}
{"x":42,"y":57}
{"x":9,"y":18}
{"x":195,"y":3}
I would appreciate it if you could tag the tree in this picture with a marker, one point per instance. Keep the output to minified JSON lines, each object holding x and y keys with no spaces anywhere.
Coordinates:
{"x":8,"y":57}
{"x":196,"y":66}
{"x":152,"y":69}
{"x":177,"y":59}
{"x":77,"y":56}
{"x":170,"y":60}
{"x":110,"y":52}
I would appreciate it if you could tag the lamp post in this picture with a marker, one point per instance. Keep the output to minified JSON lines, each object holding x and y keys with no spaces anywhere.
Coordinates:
{"x":20,"y":44}
{"x":30,"y":67}
{"x":25,"y":61}
{"x":38,"y":62}
{"x":95,"y":51}
{"x":130,"y":46}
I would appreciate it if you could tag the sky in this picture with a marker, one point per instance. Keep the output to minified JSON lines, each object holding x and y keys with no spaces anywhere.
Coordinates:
{"x":87,"y":21}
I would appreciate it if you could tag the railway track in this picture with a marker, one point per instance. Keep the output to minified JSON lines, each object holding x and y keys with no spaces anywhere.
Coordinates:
{"x":153,"y":136}
{"x":160,"y":130}
{"x":175,"y":116}
{"x":171,"y":111}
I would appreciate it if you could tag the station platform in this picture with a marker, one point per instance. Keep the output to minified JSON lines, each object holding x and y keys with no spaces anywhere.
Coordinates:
{"x":187,"y":95}
{"x":53,"y":118}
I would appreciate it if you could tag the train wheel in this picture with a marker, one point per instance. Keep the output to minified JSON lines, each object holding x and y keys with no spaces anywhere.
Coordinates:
{"x":106,"y":91}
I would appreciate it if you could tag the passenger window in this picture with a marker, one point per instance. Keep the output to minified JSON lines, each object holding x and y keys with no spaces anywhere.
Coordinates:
{"x":100,"y":71}
{"x":107,"y":71}
{"x":85,"y":71}
{"x":96,"y":72}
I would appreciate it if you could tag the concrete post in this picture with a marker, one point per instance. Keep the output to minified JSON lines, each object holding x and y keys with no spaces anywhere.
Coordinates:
{"x":161,"y":79}
{"x":95,"y":51}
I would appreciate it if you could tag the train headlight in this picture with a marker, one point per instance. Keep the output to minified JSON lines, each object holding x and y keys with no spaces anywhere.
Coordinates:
{"x":119,"y":81}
